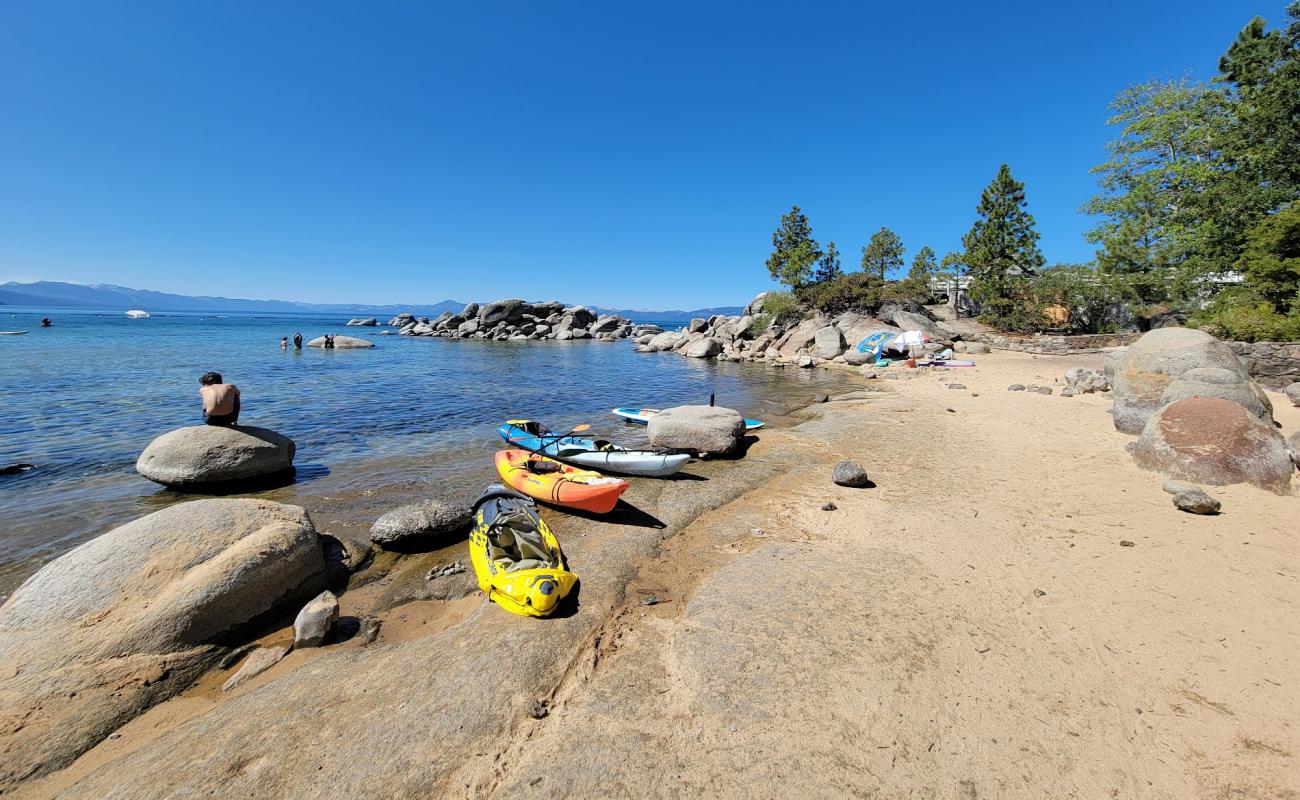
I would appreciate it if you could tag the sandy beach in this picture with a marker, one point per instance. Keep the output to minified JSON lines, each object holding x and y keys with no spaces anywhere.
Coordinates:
{"x":1013,"y":610}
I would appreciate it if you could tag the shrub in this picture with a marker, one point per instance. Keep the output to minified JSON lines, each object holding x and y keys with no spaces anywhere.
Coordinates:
{"x":782,"y":307}
{"x":1242,"y":314}
{"x":762,"y":321}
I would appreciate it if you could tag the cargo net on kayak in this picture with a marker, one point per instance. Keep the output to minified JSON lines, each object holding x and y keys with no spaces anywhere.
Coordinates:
{"x":515,"y":540}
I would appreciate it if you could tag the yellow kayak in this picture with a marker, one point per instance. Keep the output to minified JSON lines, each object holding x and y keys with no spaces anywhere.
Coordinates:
{"x":516,"y":558}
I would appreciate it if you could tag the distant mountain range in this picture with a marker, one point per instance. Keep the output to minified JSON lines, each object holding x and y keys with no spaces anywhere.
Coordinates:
{"x":54,"y":295}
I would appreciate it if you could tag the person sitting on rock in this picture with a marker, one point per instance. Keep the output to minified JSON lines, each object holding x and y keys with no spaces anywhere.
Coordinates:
{"x":220,"y":400}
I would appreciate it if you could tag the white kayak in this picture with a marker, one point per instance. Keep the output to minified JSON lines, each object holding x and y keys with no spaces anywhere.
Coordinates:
{"x":591,"y":453}
{"x":643,"y":415}
{"x":12,"y":333}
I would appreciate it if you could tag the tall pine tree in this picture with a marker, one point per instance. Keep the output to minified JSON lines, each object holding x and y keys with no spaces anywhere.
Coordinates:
{"x":883,"y":252}
{"x":794,"y":251}
{"x":828,"y":266}
{"x":1002,"y":249}
{"x":924,"y":265}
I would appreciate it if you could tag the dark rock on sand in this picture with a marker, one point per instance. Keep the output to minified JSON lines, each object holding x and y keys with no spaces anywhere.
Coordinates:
{"x":425,"y":519}
{"x":208,"y":455}
{"x":956,"y":386}
{"x":706,"y":429}
{"x":316,"y":620}
{"x":1215,"y":441}
{"x":848,"y":473}
{"x":1196,"y":502}
{"x":369,"y":629}
{"x":829,"y":506}
{"x":134,"y":616}
{"x":1016,"y":387}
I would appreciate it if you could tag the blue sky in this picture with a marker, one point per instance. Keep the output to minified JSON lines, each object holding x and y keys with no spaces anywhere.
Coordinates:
{"x":630,"y":155}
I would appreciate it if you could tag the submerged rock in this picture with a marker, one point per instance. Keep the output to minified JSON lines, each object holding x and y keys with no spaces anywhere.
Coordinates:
{"x":343,"y":343}
{"x":209,"y":455}
{"x":132,"y":617}
{"x":1214,"y":441}
{"x":425,"y":519}
{"x":316,"y":620}
{"x":706,"y":429}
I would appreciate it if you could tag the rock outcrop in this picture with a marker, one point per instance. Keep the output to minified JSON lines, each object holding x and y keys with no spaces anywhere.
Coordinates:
{"x":518,"y":320}
{"x":704,"y":429}
{"x":134,"y":616}
{"x":426,"y":519}
{"x":1214,"y":441}
{"x":211,"y":456}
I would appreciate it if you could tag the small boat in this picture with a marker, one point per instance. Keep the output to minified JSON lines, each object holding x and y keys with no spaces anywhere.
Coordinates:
{"x":137,"y":313}
{"x":552,"y":482}
{"x":591,"y":453}
{"x":12,"y":333}
{"x":643,"y":415}
{"x":516,"y":558}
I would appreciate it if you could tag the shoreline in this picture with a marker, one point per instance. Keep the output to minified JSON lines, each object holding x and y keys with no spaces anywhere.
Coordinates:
{"x":982,"y":500}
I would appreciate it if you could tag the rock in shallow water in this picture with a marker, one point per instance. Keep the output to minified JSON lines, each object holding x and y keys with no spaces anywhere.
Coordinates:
{"x":134,"y":616}
{"x":848,"y":473}
{"x":343,"y":343}
{"x":425,"y":519}
{"x":316,"y":620}
{"x":208,"y":455}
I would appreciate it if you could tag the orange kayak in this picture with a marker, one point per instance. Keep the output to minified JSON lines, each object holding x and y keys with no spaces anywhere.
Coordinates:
{"x":552,"y":482}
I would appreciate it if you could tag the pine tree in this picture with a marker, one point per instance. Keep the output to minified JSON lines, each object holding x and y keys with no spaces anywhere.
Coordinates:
{"x":828,"y":266}
{"x":924,"y":265}
{"x":883,"y":252}
{"x":1001,"y":248}
{"x":794,"y":251}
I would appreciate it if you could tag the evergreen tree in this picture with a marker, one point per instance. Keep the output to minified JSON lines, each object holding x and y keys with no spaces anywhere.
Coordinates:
{"x":828,"y":266}
{"x":1001,"y":248}
{"x":953,"y":265}
{"x":883,"y":252}
{"x":924,"y":265}
{"x":794,"y":251}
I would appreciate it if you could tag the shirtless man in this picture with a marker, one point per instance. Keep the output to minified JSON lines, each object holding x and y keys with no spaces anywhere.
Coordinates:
{"x":220,"y":400}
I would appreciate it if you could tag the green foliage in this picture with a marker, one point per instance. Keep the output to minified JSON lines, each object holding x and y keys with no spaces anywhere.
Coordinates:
{"x":953,"y":265}
{"x":794,"y":251}
{"x":883,"y":252}
{"x":782,"y":307}
{"x":1002,"y":252}
{"x":762,"y":321}
{"x":924,"y":266}
{"x":863,"y":292}
{"x":828,"y":266}
{"x":1266,"y":306}
{"x":1086,"y":296}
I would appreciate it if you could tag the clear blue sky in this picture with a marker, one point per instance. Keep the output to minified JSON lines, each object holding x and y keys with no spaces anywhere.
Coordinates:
{"x":621,"y":154}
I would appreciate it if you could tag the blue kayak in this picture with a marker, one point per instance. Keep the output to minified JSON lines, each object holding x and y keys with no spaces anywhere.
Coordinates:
{"x":643,"y":415}
{"x":590,"y":453}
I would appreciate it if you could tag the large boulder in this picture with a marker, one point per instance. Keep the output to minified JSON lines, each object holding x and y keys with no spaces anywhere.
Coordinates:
{"x":828,"y":342}
{"x":605,"y":325}
{"x":1141,"y":375}
{"x":501,"y":311}
{"x":1218,"y":382}
{"x":755,"y":306}
{"x":666,"y":340}
{"x":426,"y":519}
{"x":136,"y":615}
{"x":705,"y":347}
{"x":210,"y":455}
{"x":343,"y":343}
{"x":857,"y":358}
{"x":912,"y":321}
{"x":1215,"y":441}
{"x":1292,"y":391}
{"x":705,"y":429}
{"x":800,"y":336}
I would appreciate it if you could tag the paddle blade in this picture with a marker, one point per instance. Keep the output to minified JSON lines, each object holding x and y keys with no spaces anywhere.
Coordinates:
{"x":581,"y":428}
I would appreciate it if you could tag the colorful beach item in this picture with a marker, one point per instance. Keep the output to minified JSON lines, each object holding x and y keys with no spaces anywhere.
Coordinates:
{"x":591,"y":453}
{"x":550,"y":481}
{"x":516,"y":558}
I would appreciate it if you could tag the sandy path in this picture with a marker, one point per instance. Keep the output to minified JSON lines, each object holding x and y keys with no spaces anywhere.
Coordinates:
{"x":970,"y":627}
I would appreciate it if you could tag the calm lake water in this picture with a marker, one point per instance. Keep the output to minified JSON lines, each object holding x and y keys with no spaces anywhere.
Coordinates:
{"x":411,"y":418}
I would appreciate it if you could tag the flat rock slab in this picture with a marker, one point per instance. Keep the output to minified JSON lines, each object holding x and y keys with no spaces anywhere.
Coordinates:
{"x":262,"y":659}
{"x":343,"y":343}
{"x":211,"y":456}
{"x":132,"y":617}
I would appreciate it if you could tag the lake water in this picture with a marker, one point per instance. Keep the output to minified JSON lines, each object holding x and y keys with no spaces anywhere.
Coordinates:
{"x":413,"y":417}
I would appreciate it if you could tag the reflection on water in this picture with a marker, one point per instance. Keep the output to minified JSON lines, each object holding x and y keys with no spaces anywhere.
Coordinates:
{"x":410,"y":418}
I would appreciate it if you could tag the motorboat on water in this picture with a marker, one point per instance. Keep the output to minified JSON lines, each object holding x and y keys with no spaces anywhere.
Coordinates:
{"x":137,"y":313}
